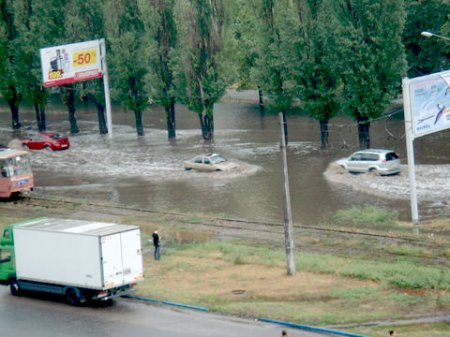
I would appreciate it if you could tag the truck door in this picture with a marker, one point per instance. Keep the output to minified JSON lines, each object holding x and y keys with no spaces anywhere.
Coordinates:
{"x":131,"y":256}
{"x":112,"y":261}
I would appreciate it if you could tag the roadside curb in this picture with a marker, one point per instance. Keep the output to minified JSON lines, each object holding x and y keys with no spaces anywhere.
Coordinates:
{"x":147,"y":299}
{"x":266,"y":320}
{"x":310,"y":328}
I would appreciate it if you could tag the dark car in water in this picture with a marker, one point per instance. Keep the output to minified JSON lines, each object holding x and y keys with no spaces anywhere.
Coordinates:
{"x":47,"y":141}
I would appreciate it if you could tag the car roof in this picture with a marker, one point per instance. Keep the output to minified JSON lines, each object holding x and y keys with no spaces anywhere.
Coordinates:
{"x":374,"y":151}
{"x":209,"y":155}
{"x":48,"y":133}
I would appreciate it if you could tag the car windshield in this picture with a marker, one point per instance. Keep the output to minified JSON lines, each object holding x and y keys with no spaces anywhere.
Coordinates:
{"x":216,"y":159}
{"x":55,"y":136}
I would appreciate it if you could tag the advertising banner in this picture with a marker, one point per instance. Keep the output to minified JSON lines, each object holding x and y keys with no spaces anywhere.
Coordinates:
{"x":71,"y":63}
{"x":430,"y":103}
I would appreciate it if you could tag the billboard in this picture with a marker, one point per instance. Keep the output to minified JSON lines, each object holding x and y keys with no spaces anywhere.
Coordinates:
{"x":430,"y":103}
{"x":71,"y":63}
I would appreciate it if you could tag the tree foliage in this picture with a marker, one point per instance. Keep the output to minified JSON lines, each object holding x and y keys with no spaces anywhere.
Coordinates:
{"x":202,"y":73}
{"x":8,"y":80}
{"x":123,"y":28}
{"x":312,"y":61}
{"x":38,"y":24}
{"x":271,"y":70}
{"x":426,"y":55}
{"x":372,"y":57}
{"x":325,"y":55}
{"x":161,"y":39}
{"x":83,"y":21}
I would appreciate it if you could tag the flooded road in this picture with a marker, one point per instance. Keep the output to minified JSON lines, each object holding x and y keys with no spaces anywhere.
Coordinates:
{"x":147,"y":172}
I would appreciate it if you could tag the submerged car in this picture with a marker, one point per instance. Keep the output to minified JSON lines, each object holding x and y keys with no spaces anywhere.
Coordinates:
{"x":46,"y":140}
{"x":210,"y":162}
{"x":376,"y":161}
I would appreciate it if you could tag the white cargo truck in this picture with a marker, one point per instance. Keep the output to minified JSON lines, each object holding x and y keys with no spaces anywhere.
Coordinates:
{"x":82,"y":260}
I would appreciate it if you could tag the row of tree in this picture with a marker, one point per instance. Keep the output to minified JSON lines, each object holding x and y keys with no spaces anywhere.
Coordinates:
{"x":330,"y":55}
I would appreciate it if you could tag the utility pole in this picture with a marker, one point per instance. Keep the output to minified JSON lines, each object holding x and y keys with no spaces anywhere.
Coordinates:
{"x":288,"y":232}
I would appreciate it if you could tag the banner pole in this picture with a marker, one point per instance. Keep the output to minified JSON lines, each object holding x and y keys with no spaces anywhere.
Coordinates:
{"x":410,"y":149}
{"x":106,"y":87}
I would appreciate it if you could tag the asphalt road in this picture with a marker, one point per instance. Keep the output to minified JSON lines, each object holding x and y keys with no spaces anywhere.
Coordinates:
{"x":27,"y":316}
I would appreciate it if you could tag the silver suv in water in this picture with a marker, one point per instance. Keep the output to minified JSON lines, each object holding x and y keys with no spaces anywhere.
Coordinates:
{"x":377,"y":161}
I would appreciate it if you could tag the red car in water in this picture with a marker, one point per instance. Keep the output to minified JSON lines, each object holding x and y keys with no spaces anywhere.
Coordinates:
{"x":46,"y":140}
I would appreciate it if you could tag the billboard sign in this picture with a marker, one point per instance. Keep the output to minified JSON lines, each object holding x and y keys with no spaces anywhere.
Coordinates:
{"x":71,"y":63}
{"x":430,"y":103}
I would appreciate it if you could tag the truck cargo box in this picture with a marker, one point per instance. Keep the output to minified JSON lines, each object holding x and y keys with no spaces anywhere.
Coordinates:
{"x":78,"y":253}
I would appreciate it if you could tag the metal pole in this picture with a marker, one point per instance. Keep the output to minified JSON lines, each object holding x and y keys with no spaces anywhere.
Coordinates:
{"x":410,"y":150}
{"x":106,"y":87}
{"x":288,"y":232}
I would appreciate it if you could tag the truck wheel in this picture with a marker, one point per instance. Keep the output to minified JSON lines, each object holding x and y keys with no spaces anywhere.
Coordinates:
{"x":14,"y":288}
{"x":72,"y":297}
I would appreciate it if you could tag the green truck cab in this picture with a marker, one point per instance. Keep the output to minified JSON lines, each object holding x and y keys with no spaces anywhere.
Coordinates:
{"x":7,"y":259}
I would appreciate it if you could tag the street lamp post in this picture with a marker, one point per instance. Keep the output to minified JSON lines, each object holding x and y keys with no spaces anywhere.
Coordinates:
{"x":429,"y":34}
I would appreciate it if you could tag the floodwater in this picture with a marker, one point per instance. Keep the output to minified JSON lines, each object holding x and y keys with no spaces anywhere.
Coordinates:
{"x":147,"y":172}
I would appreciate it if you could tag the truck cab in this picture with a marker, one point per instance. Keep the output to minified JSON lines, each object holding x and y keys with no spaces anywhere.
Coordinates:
{"x":7,"y":267}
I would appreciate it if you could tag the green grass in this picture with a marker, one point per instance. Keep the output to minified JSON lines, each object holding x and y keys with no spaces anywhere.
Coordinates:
{"x":366,"y":216}
{"x":408,"y":250}
{"x":401,"y":274}
{"x":410,"y":330}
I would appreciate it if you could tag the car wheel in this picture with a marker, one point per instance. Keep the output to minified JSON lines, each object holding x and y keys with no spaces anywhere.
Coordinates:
{"x":374,"y":172}
{"x":48,"y":148}
{"x":25,"y":146}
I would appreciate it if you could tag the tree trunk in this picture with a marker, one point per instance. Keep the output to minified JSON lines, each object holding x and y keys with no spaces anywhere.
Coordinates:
{"x":363,"y":133}
{"x":71,"y":106}
{"x":103,"y":129}
{"x":40,"y":117}
{"x":14,"y":99}
{"x":170,"y":118}
{"x":139,"y":127}
{"x":207,"y":126}
{"x":261,"y":99}
{"x":324,"y":133}
{"x":285,"y":127}
{"x":14,"y":107}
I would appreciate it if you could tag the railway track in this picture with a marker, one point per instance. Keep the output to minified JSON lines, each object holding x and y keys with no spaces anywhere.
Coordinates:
{"x":220,"y":222}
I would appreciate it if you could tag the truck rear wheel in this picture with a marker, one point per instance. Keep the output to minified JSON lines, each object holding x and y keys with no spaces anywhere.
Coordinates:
{"x":72,"y":297}
{"x":14,"y":288}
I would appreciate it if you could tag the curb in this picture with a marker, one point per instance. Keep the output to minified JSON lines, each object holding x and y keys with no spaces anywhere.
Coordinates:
{"x":310,"y":328}
{"x":146,"y":299}
{"x":266,"y":320}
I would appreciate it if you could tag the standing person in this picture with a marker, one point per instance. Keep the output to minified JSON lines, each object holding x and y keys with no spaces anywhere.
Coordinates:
{"x":392,"y":333}
{"x":156,"y":244}
{"x":284,"y":333}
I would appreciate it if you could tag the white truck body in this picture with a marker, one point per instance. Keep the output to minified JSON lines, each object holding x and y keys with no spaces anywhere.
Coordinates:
{"x":83,"y":254}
